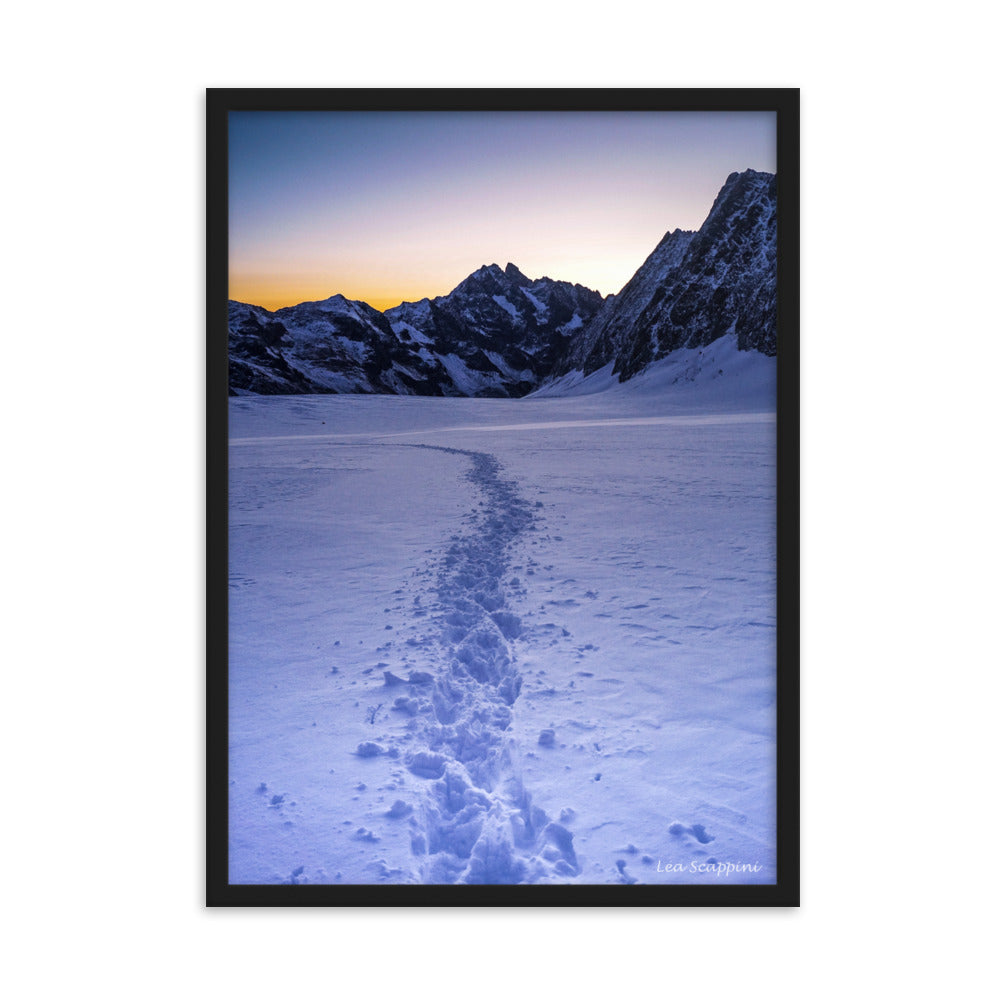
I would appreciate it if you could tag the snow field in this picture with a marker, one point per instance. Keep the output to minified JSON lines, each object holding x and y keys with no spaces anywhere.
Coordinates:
{"x":504,"y":641}
{"x":650,"y":644}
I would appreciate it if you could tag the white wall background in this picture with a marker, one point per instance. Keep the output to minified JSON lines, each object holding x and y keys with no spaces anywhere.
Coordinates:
{"x":102,"y":409}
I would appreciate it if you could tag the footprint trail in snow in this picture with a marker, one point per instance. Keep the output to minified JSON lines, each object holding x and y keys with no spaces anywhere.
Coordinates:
{"x":476,"y":823}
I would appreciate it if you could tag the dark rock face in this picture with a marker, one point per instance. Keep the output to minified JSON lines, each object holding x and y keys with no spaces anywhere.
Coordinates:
{"x":613,"y":328}
{"x":497,"y":334}
{"x":318,"y":347}
{"x":694,"y":288}
{"x":499,"y":331}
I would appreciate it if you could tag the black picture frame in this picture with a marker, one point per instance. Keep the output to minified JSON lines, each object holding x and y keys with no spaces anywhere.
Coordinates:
{"x":785,"y":103}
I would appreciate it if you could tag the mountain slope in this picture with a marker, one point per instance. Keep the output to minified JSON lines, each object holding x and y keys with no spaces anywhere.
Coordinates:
{"x":611,"y":329}
{"x":336,"y":345}
{"x":694,"y":288}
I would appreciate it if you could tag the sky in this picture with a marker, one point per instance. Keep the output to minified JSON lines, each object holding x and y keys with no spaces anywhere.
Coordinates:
{"x":388,"y":207}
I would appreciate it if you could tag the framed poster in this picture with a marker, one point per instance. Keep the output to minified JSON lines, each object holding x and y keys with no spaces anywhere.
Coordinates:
{"x":502,"y":394}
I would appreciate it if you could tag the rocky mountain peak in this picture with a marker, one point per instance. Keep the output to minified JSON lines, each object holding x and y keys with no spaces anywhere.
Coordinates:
{"x":514,"y":275}
{"x":500,"y":333}
{"x":694,"y":287}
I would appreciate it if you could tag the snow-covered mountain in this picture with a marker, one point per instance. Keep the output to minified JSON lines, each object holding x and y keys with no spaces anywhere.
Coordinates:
{"x":694,"y":288}
{"x":336,"y":345}
{"x":497,"y":334}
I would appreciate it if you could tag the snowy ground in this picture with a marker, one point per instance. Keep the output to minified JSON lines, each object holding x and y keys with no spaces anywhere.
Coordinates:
{"x":507,"y":640}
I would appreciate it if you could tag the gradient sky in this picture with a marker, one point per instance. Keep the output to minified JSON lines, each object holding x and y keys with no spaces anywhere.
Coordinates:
{"x":394,"y":206}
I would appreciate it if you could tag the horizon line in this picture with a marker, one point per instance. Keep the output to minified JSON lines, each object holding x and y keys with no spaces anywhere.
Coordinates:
{"x":398,"y":301}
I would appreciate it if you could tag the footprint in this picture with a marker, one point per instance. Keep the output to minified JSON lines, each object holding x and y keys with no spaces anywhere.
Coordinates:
{"x":696,"y":830}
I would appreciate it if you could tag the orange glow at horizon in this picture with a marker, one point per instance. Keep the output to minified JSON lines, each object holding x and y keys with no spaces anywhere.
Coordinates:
{"x":273,"y":295}
{"x":603,"y":269}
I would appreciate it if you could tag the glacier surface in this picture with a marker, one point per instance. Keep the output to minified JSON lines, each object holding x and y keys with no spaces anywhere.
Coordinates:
{"x":533,"y":641}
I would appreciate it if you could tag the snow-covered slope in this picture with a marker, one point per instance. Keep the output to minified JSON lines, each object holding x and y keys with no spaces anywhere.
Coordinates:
{"x":506,"y":640}
{"x":718,"y":375}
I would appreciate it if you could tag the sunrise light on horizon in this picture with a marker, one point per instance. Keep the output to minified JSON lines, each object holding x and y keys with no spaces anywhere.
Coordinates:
{"x":387,"y":207}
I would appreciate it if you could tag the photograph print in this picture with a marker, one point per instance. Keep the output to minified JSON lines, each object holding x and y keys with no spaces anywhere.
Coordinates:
{"x":503,"y":509}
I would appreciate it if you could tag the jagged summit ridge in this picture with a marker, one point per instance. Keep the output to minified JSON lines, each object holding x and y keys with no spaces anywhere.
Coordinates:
{"x":694,"y":287}
{"x":497,"y":333}
{"x":505,"y":328}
